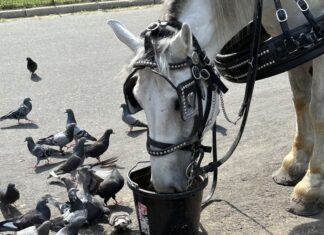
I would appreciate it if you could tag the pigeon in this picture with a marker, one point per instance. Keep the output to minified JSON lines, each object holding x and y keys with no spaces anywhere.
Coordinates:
{"x":41,"y":152}
{"x":119,"y":220}
{"x":21,"y":113}
{"x":73,"y":206}
{"x":96,"y":149}
{"x":43,"y":229}
{"x":78,"y":131}
{"x":33,"y":217}
{"x":31,"y":65}
{"x":111,"y":185}
{"x":9,"y":195}
{"x":72,"y":228}
{"x":129,"y":119}
{"x":73,"y":162}
{"x":60,"y":139}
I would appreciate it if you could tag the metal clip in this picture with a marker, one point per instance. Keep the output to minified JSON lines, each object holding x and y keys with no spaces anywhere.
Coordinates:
{"x":281,"y":15}
{"x":195,"y":58}
{"x":153,"y":26}
{"x":291,"y":44}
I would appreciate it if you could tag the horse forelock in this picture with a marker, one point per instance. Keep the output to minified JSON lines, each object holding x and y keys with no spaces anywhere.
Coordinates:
{"x":160,"y":56}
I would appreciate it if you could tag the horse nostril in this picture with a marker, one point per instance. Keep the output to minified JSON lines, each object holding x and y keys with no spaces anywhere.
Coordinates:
{"x":177,"y":105}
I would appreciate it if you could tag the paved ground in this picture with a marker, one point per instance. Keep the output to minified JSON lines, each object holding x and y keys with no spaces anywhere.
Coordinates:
{"x":79,"y":61}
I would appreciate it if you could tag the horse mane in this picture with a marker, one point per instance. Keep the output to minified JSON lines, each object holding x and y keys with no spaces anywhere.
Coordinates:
{"x":172,"y":9}
{"x":226,"y":13}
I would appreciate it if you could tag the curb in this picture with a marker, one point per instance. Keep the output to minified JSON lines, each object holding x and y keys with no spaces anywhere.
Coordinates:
{"x":72,"y":8}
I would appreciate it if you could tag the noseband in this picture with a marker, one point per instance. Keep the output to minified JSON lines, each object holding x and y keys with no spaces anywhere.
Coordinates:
{"x":191,"y":92}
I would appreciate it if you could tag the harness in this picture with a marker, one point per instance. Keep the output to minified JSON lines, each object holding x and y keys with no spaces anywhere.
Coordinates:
{"x":191,"y":92}
{"x":278,"y":54}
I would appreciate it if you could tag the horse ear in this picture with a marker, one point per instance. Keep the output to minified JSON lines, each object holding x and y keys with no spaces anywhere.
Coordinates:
{"x":125,"y":36}
{"x":186,"y":36}
{"x":181,"y":44}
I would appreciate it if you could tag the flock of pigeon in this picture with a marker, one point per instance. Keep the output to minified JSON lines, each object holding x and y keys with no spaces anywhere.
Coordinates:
{"x":82,"y":181}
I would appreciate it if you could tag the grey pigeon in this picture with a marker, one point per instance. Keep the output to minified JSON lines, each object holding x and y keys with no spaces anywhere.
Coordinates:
{"x":111,"y":185}
{"x":20,"y":113}
{"x":68,"y":209}
{"x":72,"y":228}
{"x":9,"y":195}
{"x":41,"y":152}
{"x":73,"y":162}
{"x":60,"y":139}
{"x":78,"y":131}
{"x":95,"y":209}
{"x":130,"y":120}
{"x":31,"y":65}
{"x":43,"y":229}
{"x":96,"y":149}
{"x":33,"y":217}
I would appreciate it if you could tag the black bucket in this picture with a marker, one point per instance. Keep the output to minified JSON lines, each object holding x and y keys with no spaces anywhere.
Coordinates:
{"x":165,"y":214}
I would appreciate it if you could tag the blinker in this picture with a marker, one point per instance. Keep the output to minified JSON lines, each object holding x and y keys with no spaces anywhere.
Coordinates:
{"x":187,"y":99}
{"x":131,"y":102}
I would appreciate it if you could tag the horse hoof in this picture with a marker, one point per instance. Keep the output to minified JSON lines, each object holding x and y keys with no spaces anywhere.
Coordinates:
{"x":282,"y":177}
{"x":299,"y":207}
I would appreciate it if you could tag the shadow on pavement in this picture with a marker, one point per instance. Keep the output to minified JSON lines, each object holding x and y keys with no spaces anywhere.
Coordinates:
{"x":35,"y":78}
{"x":239,"y":211}
{"x":313,"y":228}
{"x":221,"y":130}
{"x":126,"y":232}
{"x":136,"y":133}
{"x":21,"y":126}
{"x":47,"y":167}
{"x":9,"y":211}
{"x":116,"y":208}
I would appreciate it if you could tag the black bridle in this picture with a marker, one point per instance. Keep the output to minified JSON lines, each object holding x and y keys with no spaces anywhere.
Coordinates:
{"x":202,"y":70}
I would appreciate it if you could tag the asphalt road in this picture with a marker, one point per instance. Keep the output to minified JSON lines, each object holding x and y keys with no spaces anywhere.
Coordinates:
{"x":79,"y":63}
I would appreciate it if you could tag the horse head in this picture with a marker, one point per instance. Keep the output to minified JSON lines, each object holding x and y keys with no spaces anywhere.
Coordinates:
{"x":162,"y":84}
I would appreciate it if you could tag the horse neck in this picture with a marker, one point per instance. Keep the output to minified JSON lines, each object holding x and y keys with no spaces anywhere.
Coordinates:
{"x":216,"y":22}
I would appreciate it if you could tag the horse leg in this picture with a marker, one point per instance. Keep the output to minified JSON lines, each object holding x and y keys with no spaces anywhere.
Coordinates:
{"x":308,"y":194}
{"x":295,"y":163}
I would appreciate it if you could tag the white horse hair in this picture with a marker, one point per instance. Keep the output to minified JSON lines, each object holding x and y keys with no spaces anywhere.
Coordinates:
{"x":214,"y":24}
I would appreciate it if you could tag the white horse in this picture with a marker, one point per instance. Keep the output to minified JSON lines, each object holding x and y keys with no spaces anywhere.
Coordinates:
{"x":213,"y":23}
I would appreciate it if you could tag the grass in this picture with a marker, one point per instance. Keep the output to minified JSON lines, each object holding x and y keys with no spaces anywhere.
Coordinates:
{"x":16,"y":4}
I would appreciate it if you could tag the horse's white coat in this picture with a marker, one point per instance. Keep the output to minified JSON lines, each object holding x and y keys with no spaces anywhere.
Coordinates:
{"x":214,"y":22}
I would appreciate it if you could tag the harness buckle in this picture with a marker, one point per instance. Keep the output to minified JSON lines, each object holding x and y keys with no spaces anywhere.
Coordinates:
{"x":195,"y":72}
{"x":204,"y":74}
{"x":153,"y":26}
{"x":303,"y":5}
{"x":281,"y":15}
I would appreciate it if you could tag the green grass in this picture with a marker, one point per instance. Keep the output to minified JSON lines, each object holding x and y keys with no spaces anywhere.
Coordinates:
{"x":15,"y":4}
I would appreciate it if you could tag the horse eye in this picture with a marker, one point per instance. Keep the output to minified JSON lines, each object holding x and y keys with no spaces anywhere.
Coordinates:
{"x":177,"y":105}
